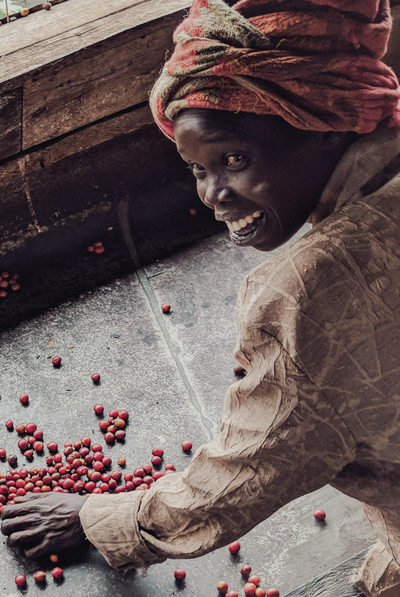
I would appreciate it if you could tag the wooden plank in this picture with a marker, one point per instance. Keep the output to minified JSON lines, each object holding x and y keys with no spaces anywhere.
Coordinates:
{"x":10,"y":123}
{"x":94,"y":84}
{"x":45,"y":24}
{"x":337,"y":582}
{"x":77,"y":142}
{"x":22,"y":62}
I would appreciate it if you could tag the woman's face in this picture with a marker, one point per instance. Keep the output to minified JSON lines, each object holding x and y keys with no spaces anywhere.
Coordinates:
{"x":259,"y":174}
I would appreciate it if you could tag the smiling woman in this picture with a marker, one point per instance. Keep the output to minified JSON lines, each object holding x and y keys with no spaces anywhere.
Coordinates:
{"x":283,"y":111}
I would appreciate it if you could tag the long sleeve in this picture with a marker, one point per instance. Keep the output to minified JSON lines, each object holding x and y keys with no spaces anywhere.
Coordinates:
{"x":279,"y":439}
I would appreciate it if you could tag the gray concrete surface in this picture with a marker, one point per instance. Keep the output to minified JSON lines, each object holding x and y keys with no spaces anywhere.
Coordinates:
{"x":171,"y":373}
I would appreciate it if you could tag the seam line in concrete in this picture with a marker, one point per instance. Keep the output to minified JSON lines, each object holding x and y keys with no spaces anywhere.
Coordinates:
{"x":144,"y":281}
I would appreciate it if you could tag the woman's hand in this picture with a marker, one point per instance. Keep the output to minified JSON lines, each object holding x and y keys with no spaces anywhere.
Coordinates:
{"x":43,"y":523}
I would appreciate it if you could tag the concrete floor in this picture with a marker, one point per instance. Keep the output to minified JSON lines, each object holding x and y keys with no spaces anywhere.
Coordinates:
{"x":170,"y":372}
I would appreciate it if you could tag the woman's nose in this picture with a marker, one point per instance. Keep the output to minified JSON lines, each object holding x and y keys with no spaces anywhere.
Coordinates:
{"x":216,"y":192}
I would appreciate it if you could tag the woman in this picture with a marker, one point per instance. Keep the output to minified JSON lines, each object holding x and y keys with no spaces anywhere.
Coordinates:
{"x":283,"y":111}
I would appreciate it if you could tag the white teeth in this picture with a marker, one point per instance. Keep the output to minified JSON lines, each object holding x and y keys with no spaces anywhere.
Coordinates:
{"x":243,"y":222}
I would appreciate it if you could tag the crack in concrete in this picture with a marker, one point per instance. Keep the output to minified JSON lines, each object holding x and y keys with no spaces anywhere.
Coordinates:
{"x":144,"y":280}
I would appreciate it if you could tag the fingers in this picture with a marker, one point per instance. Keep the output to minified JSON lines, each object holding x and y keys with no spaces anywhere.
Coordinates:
{"x":23,"y":507}
{"x":20,"y":523}
{"x":40,"y":549}
{"x":22,"y":538}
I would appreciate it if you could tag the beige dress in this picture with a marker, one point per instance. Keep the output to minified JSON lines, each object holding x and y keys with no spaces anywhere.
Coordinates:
{"x":319,"y":336}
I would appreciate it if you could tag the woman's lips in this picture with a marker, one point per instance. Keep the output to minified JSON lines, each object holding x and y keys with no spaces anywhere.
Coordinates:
{"x":244,"y":222}
{"x":245,"y":230}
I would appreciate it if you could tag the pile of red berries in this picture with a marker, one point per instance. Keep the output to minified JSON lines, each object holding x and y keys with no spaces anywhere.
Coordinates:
{"x":8,"y":282}
{"x":82,"y":468}
{"x":96,"y":248}
{"x":113,"y":426}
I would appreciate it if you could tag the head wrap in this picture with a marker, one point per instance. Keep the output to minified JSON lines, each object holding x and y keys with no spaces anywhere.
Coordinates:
{"x":315,"y":63}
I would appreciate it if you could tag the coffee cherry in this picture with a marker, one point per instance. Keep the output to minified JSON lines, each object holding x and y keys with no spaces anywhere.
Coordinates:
{"x":99,"y":250}
{"x":38,"y":446}
{"x":23,"y":444}
{"x":39,"y":576}
{"x":232,"y":594}
{"x":12,"y":460}
{"x":56,"y":361}
{"x":103,"y":425}
{"x":123,"y":414}
{"x":9,"y":425}
{"x":254,"y":579}
{"x":245,"y":570}
{"x":97,"y":448}
{"x":121,"y":461}
{"x":3,"y":453}
{"x":120,"y":423}
{"x":234,"y":547}
{"x":222,"y":587}
{"x":24,"y":399}
{"x":186,"y":446}
{"x":272,"y":593}
{"x":319,"y":515}
{"x":30,"y":428}
{"x":157,"y":475}
{"x":169,"y":466}
{"x":57,"y":573}
{"x":109,"y":437}
{"x":249,"y":588}
{"x":98,"y":408}
{"x":52,"y":446}
{"x":20,"y":581}
{"x":156,"y":460}
{"x":38,"y":434}
{"x":113,"y":414}
{"x":20,"y":429}
{"x":120,"y":434}
{"x":165,"y":307}
{"x":53,"y":558}
{"x":95,"y":377}
{"x":260,"y":592}
{"x":180,"y":574}
{"x":157,"y":452}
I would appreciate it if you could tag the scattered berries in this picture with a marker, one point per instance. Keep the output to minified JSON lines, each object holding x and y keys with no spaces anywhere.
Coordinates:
{"x":56,"y":361}
{"x":222,"y":587}
{"x":165,"y":307}
{"x":234,"y":547}
{"x":39,"y":576}
{"x":20,"y":581}
{"x":320,"y":515}
{"x":57,"y":573}
{"x":186,"y":446}
{"x":180,"y":574}
{"x":96,"y":377}
{"x":24,"y":399}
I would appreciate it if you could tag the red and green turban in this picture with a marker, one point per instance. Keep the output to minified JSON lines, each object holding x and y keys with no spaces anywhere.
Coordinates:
{"x":315,"y":63}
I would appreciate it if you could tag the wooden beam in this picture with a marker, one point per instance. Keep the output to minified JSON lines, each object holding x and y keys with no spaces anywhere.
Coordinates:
{"x":74,"y":143}
{"x":10,"y":122}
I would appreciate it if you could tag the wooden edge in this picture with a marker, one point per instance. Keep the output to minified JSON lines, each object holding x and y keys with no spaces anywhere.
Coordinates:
{"x":73,"y":143}
{"x":17,"y":66}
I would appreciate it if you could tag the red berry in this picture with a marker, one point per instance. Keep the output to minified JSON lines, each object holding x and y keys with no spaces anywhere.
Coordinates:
{"x":116,"y":475}
{"x":20,"y":580}
{"x":95,"y":377}
{"x":120,"y":434}
{"x":112,"y":428}
{"x":98,"y":408}
{"x":319,"y":515}
{"x":38,"y":434}
{"x":120,"y":423}
{"x":28,"y":454}
{"x":138,"y":472}
{"x":86,"y":441}
{"x":186,"y":446}
{"x":56,"y":361}
{"x":165,"y":307}
{"x":20,"y":429}
{"x":156,"y":460}
{"x":157,"y":452}
{"x":272,"y":593}
{"x":106,"y":461}
{"x":9,"y":425}
{"x":103,"y":424}
{"x":234,"y":547}
{"x":254,"y":579}
{"x":30,"y":428}
{"x":38,"y":446}
{"x":53,"y":558}
{"x":121,"y":461}
{"x":123,"y":414}
{"x":113,"y":414}
{"x":109,"y":437}
{"x":249,"y":588}
{"x":2,"y":453}
{"x":169,"y":466}
{"x":157,"y":475}
{"x":147,"y":468}
{"x":222,"y":587}
{"x":57,"y":573}
{"x":245,"y":570}
{"x":98,"y":466}
{"x":97,"y":448}
{"x":39,"y":576}
{"x":12,"y":460}
{"x":52,"y":446}
{"x":99,"y":250}
{"x":180,"y":574}
{"x":260,"y":592}
{"x":24,"y":398}
{"x":232,"y":594}
{"x":23,"y":444}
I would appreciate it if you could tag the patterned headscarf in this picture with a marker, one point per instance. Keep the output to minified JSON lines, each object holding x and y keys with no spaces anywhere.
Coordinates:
{"x":315,"y":63}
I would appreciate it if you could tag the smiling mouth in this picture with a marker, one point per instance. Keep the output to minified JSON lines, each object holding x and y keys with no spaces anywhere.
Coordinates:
{"x":245,"y":229}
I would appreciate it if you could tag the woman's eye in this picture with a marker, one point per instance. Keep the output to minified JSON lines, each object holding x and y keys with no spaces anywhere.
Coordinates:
{"x":236,"y":160}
